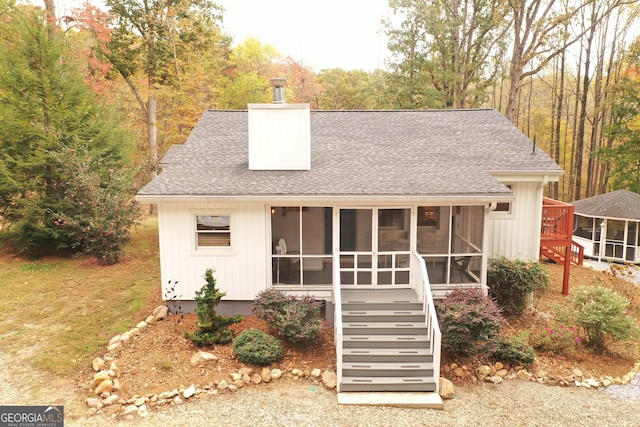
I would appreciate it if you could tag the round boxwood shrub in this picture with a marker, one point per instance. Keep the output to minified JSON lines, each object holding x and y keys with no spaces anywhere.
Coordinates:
{"x":256,"y":347}
{"x":515,"y":350}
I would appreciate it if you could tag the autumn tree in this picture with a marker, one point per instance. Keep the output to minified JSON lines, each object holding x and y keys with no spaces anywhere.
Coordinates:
{"x":45,"y":108}
{"x":538,"y":35}
{"x":347,"y":90}
{"x":441,"y":50}
{"x":153,"y":38}
{"x":252,"y":64}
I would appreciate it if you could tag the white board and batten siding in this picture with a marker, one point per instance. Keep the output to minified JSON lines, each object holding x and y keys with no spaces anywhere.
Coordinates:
{"x":517,"y":234}
{"x":240,"y":271}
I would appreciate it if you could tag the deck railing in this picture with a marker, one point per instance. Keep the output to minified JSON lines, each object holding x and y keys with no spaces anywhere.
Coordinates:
{"x":423,"y":290}
{"x":337,"y":318}
{"x":557,"y":220}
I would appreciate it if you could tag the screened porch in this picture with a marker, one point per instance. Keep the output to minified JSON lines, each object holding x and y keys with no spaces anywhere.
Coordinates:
{"x":372,"y":246}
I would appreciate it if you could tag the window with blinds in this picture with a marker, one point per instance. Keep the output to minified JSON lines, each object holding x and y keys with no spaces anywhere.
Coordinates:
{"x":213,"y":231}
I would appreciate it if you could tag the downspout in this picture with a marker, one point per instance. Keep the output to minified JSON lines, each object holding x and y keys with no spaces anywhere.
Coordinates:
{"x":544,"y":182}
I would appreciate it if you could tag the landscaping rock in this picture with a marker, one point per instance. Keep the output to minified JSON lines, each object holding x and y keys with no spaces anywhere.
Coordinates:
{"x":99,"y":377}
{"x":276,"y":374}
{"x":447,"y":390}
{"x":523,"y":375}
{"x":104,"y":386}
{"x":92,"y":402}
{"x":482,"y":372}
{"x":97,"y":364}
{"x":329,"y":379}
{"x":160,"y":312}
{"x":189,"y":391}
{"x":265,"y":373}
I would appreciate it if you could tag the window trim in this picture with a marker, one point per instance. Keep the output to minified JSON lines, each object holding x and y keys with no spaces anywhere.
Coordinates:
{"x":505,"y":214}
{"x":212,"y":250}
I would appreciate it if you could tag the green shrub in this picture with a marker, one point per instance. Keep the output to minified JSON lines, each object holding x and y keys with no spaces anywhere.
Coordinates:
{"x":515,"y":350}
{"x":292,"y":318}
{"x":212,"y":328}
{"x":601,"y":314}
{"x":102,"y":210}
{"x":470,"y":323}
{"x":560,"y":340}
{"x":513,"y":282}
{"x":256,"y":347}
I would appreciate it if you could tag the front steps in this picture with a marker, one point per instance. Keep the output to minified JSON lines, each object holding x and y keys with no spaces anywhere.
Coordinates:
{"x":385,"y":349}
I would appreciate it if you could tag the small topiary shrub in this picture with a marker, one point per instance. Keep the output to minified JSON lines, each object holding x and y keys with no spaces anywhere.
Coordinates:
{"x":212,"y":328}
{"x":256,"y":347}
{"x":292,"y":318}
{"x":601,"y":314}
{"x":469,"y":322}
{"x":512,"y":283}
{"x":515,"y":350}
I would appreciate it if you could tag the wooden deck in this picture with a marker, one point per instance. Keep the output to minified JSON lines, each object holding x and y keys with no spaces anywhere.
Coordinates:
{"x":556,"y":237}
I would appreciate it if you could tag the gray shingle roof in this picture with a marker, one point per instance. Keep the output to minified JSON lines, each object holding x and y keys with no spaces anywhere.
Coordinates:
{"x":618,"y":204}
{"x":372,"y":153}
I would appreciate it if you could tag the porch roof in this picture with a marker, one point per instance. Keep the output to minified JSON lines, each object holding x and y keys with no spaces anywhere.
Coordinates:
{"x":621,"y":204}
{"x":425,"y":153}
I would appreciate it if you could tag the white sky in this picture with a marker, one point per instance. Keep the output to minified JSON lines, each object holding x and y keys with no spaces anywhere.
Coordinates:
{"x":345,"y":34}
{"x":321,"y":34}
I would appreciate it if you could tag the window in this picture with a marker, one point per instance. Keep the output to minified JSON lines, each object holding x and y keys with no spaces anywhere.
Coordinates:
{"x":504,"y":207}
{"x":213,"y":231}
{"x":391,"y":218}
{"x":428,"y":216}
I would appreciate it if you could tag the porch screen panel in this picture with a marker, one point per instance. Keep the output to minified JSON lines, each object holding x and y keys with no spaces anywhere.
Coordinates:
{"x":467,"y":231}
{"x":355,"y":230}
{"x":433,"y":229}
{"x":583,"y":226}
{"x":393,"y":229}
{"x":285,"y":228}
{"x":615,"y":238}
{"x":632,"y":241}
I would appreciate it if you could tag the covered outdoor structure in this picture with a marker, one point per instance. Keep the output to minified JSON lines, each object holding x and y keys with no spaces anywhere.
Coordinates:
{"x":607,"y":226}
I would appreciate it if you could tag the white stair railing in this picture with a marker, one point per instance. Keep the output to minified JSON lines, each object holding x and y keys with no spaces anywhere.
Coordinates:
{"x":337,"y":318}
{"x":423,"y":290}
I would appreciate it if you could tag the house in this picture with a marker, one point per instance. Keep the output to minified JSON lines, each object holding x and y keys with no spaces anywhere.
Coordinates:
{"x":607,"y":226}
{"x":375,"y":212}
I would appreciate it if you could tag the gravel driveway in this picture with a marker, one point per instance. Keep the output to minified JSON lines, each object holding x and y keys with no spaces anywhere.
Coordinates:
{"x":293,"y":403}
{"x":513,"y":403}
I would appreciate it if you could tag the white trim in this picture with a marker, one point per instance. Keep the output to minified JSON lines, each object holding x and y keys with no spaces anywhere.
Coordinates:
{"x":333,"y":200}
{"x":493,"y":214}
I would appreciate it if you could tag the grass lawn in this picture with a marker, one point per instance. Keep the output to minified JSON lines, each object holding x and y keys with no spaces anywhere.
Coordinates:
{"x":59,"y":313}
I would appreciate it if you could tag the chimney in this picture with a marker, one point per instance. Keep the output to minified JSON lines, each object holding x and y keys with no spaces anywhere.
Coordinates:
{"x":278,"y":85}
{"x":279,"y":133}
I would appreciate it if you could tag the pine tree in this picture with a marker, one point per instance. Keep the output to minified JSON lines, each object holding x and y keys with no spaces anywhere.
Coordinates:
{"x":45,"y":108}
